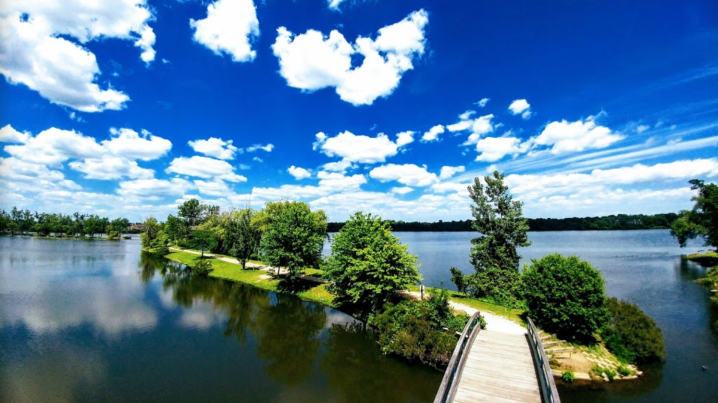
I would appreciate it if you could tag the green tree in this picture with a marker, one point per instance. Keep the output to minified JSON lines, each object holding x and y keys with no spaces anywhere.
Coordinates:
{"x":503,"y":229}
{"x":243,"y":235}
{"x":151,"y":229}
{"x":204,"y":239}
{"x":565,"y":295}
{"x":368,"y":264}
{"x":702,"y":220}
{"x":293,"y":235}
{"x":175,"y":228}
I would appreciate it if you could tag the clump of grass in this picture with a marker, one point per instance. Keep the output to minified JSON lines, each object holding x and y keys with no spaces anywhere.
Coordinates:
{"x":568,"y":376}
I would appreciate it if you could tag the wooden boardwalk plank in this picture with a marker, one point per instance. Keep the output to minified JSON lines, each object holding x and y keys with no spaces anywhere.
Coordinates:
{"x":499,"y":368}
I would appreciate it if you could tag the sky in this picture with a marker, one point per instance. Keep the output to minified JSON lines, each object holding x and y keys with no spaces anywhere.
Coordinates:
{"x":391,"y":107}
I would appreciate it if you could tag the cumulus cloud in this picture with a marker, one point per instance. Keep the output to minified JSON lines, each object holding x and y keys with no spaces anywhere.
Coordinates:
{"x":402,"y":190}
{"x":131,"y":145}
{"x":482,"y":103}
{"x":447,"y":171}
{"x":152,"y":188}
{"x":37,"y":47}
{"x":213,"y":188}
{"x":55,"y":146}
{"x":406,"y":174}
{"x":329,"y":183}
{"x":215,"y":147}
{"x":433,"y":133}
{"x":520,"y":107}
{"x":9,"y":135}
{"x":298,"y":173}
{"x":22,"y":176}
{"x":203,"y":167}
{"x":360,"y":148}
{"x":111,"y":168}
{"x":312,"y":61}
{"x":492,"y":149}
{"x":230,"y":27}
{"x":268,"y":148}
{"x":564,"y":137}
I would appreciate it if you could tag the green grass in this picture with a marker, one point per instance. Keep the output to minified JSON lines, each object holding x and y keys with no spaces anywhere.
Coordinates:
{"x":483,"y":306}
{"x":234,"y":272}
{"x":313,"y":272}
{"x":704,"y":259}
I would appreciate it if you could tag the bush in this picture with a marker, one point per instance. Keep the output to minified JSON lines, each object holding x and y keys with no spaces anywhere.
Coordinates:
{"x":623,"y":370}
{"x":202,"y":268}
{"x":632,"y":335}
{"x":565,"y":296}
{"x":568,"y":376}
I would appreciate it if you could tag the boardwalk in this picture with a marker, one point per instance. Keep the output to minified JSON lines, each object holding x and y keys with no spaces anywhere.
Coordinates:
{"x":499,"y":368}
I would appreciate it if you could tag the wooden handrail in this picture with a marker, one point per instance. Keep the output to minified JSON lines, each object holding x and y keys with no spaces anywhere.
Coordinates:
{"x":547,"y":385}
{"x":447,"y":389}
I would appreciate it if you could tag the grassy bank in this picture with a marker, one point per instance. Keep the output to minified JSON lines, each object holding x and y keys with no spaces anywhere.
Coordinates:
{"x":708,"y":259}
{"x":258,"y":278}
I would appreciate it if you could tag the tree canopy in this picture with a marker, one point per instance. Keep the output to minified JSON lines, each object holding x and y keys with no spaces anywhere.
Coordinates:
{"x":243,"y":234}
{"x":702,"y":220}
{"x":368,"y":264}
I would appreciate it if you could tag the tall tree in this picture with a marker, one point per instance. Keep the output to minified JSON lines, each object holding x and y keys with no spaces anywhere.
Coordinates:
{"x":499,"y":220}
{"x":293,"y":236}
{"x":368,"y":264}
{"x":204,"y":239}
{"x":243,"y":235}
{"x":151,"y":229}
{"x":702,"y":220}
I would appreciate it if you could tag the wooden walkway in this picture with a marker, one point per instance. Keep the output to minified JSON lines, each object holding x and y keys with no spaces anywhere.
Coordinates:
{"x":499,"y":368}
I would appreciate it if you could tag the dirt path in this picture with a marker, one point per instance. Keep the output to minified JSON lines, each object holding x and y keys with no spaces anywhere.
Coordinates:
{"x":494,"y":322}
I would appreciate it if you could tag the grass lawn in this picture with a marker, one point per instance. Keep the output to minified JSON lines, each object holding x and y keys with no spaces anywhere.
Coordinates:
{"x":704,"y":259}
{"x":483,"y":306}
{"x":234,"y":272}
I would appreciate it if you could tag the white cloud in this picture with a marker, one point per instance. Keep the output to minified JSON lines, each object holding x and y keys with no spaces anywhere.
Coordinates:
{"x":298,"y":173}
{"x":642,"y":128}
{"x":482,"y":103}
{"x":312,"y":61}
{"x":433,"y":133}
{"x":150,"y":188}
{"x":54,"y":146}
{"x":329,"y":183}
{"x":129,"y":144}
{"x":479,"y":127}
{"x":565,"y":137}
{"x":215,"y":147}
{"x":268,"y":148}
{"x":360,"y":148}
{"x":230,"y":27}
{"x":334,"y":4}
{"x":339,"y":166}
{"x":111,"y":168}
{"x":450,"y":187}
{"x":36,"y":47}
{"x":492,"y":149}
{"x":9,"y":135}
{"x":203,"y":167}
{"x":406,"y":174}
{"x":257,"y":159}
{"x":447,"y":171}
{"x":213,"y":188}
{"x":23,"y":176}
{"x":402,"y":190}
{"x":520,"y":107}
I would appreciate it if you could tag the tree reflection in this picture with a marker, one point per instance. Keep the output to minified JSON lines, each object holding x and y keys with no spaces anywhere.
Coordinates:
{"x":288,"y":338}
{"x":149,"y":264}
{"x":360,"y":373}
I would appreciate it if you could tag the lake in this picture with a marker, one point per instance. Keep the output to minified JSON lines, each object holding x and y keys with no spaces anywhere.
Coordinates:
{"x":100,"y":321}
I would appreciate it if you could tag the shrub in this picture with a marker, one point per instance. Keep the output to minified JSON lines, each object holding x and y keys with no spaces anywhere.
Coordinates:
{"x":623,"y":370}
{"x":565,"y":296}
{"x":610,"y":374}
{"x":632,"y":335}
{"x":568,"y":376}
{"x":202,"y":268}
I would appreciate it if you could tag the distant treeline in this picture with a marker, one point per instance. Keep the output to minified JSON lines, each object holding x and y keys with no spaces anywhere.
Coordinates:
{"x":18,"y":221}
{"x":612,"y":222}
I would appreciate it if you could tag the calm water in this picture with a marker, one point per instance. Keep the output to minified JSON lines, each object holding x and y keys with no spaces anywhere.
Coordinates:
{"x":98,"y":321}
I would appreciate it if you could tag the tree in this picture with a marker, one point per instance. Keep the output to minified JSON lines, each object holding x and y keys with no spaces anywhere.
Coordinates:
{"x":152,"y":228}
{"x":502,"y":227}
{"x":204,"y":239}
{"x":243,"y":235}
{"x":702,"y":220}
{"x":293,"y":235}
{"x":368,"y":264}
{"x":631,"y":334}
{"x":565,"y":295}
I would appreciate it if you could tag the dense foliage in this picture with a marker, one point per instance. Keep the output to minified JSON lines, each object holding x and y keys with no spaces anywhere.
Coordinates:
{"x":293,"y":235}
{"x":565,"y":296}
{"x":606,"y":223}
{"x":243,"y":235}
{"x":632,"y":335}
{"x":368,"y":264}
{"x":414,"y":330}
{"x":702,"y":220}
{"x":502,"y":228}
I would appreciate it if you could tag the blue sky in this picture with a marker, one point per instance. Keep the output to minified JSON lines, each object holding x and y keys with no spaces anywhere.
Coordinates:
{"x":390,"y":107}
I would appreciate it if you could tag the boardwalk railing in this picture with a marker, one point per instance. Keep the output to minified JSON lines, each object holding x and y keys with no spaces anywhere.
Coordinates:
{"x":447,"y":390}
{"x":547,"y":386}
